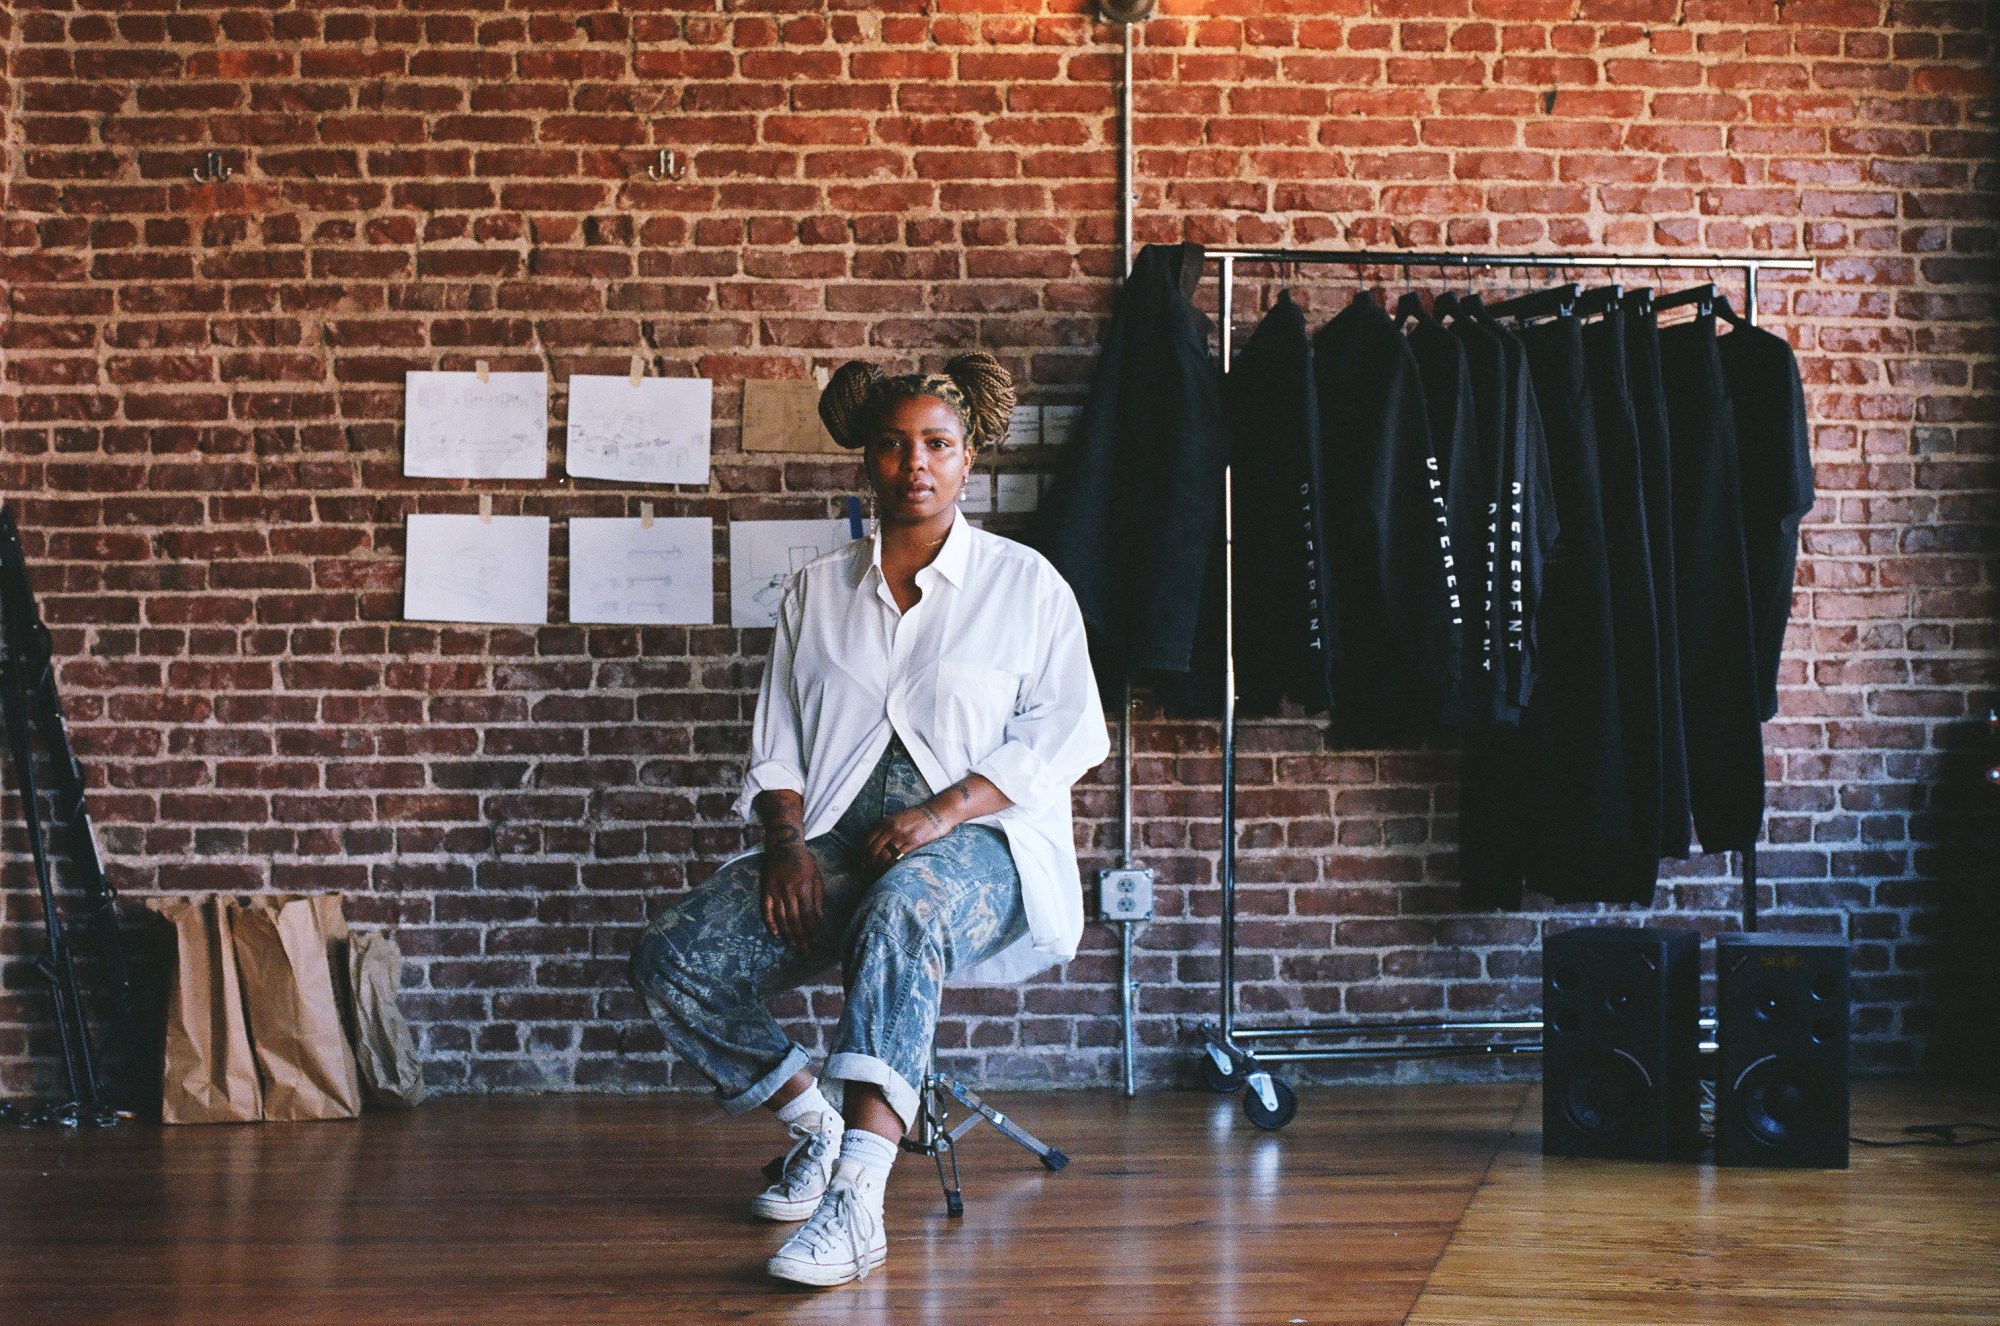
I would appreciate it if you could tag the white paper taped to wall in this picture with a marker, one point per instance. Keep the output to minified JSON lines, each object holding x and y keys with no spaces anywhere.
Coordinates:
{"x":655,"y":432}
{"x":464,"y":569}
{"x":628,"y":572}
{"x":763,"y":554}
{"x":456,"y":426}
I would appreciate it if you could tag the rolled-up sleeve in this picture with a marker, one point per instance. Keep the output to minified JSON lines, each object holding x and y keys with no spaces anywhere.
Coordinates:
{"x":1057,"y":733}
{"x":777,"y":752}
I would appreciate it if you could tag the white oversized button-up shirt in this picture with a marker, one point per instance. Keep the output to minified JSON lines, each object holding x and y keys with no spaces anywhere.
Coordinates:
{"x":986,"y":674}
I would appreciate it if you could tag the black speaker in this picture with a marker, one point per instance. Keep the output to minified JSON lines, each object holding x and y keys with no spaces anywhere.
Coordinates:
{"x":1620,"y":1006}
{"x":1781,"y":1034}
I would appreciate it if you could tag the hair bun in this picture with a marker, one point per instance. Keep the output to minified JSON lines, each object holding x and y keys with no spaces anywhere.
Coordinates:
{"x":843,"y":406}
{"x":989,"y":395}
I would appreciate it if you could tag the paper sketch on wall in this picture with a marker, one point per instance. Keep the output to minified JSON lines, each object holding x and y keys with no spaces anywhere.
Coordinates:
{"x":656,"y":431}
{"x":464,"y":569}
{"x":622,"y":571}
{"x":457,"y":427}
{"x":762,"y":556}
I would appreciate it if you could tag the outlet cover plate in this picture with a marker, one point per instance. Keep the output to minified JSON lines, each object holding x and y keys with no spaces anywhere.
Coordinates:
{"x":1125,"y":894}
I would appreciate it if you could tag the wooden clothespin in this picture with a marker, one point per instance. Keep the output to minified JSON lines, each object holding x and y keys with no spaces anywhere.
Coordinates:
{"x":638,"y":373}
{"x":483,"y":369}
{"x":645,"y":515}
{"x":486,"y":508}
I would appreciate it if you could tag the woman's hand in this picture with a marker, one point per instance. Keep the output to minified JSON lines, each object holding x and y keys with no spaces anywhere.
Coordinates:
{"x":794,"y":895}
{"x":903,"y":833}
{"x":794,"y":891}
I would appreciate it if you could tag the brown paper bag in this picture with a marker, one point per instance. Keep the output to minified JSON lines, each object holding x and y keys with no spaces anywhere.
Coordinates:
{"x":209,"y":1074}
{"x":302,"y":1053}
{"x":383,"y":1045}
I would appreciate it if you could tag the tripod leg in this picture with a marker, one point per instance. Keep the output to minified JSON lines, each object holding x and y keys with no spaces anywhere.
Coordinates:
{"x":954,"y":1198}
{"x":1048,"y":1155}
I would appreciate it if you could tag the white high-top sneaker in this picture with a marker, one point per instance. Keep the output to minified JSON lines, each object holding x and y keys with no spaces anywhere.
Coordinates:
{"x":808,"y":1169}
{"x":843,"y":1240}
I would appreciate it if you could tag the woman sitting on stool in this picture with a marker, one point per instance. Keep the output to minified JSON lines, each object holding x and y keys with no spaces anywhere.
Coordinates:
{"x":927,"y":707}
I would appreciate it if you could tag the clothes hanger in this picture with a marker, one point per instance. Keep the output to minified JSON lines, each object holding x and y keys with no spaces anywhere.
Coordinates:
{"x":1604,"y":299}
{"x":1557,"y":301}
{"x":1701,"y":297}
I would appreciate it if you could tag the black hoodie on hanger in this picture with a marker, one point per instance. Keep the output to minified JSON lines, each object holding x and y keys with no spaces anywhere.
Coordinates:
{"x":1720,"y":703}
{"x":1398,"y":661}
{"x":1634,"y":617}
{"x":1137,"y":506}
{"x":1284,"y":597}
{"x":1580,"y":840}
{"x":1649,"y":411}
{"x":1775,"y":447}
{"x":1457,"y":486}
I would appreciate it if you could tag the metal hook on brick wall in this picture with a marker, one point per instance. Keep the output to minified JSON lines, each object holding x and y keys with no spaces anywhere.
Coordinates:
{"x":212,"y":170}
{"x":669,"y":167}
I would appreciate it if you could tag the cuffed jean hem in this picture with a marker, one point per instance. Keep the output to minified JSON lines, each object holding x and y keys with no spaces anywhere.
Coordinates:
{"x":767,"y":1086}
{"x":901,"y":1095}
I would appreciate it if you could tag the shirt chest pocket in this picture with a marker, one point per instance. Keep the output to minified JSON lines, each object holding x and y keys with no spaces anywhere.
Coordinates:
{"x":973,"y":704}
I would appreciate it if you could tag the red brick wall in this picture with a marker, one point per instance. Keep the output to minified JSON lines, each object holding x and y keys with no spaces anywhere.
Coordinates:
{"x":202,"y":388}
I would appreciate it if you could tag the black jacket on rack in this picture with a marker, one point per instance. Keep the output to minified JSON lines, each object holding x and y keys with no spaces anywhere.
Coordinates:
{"x":1634,"y":617}
{"x":1580,"y":846}
{"x":1720,"y":703}
{"x":1649,"y":412}
{"x":1284,"y":595}
{"x":1398,"y":651}
{"x":1136,"y":509}
{"x":1774,"y":445}
{"x":1456,"y":487}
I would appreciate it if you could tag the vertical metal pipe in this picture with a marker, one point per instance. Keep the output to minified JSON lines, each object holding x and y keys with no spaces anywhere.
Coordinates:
{"x":1749,"y":854}
{"x":1128,"y":184}
{"x":1227,"y":864}
{"x":1125,"y":986}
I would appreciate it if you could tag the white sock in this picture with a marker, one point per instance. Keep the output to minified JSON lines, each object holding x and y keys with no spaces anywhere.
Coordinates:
{"x":807,"y":1109}
{"x":866,"y":1157}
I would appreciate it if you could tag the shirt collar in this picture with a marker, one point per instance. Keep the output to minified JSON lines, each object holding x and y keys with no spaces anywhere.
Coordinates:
{"x":951,"y":559}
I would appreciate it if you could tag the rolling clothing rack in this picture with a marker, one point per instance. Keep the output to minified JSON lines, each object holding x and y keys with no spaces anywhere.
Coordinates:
{"x":1235,"y":1056}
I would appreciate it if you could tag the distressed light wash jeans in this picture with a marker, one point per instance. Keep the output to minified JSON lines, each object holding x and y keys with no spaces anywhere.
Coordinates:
{"x":706,"y":967}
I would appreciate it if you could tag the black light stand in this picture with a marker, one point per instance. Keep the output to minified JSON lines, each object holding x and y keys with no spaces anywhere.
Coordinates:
{"x":35,"y":725}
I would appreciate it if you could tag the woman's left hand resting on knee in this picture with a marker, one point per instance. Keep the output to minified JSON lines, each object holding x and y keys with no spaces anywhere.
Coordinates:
{"x":904,"y":832}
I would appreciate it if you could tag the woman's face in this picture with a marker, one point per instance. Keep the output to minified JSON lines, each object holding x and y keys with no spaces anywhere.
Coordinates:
{"x":917,"y":460}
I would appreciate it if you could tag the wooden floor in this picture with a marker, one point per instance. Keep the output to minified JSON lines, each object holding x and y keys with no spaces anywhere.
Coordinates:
{"x":1427,"y":1204}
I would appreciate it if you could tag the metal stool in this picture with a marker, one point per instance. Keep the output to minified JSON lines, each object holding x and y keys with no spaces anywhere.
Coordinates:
{"x":935,"y":1136}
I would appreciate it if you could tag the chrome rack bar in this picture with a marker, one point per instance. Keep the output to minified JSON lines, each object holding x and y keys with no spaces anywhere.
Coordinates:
{"x":1222,"y":1043}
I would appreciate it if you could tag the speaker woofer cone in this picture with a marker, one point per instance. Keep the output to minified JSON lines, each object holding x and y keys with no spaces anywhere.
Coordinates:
{"x":1607,"y":1097}
{"x":1779,"y":1102}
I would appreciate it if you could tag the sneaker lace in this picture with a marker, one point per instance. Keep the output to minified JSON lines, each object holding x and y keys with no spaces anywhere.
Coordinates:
{"x":840,"y":1217}
{"x":807,"y":1156}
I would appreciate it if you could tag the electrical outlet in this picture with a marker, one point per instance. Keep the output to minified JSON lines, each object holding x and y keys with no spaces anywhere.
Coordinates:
{"x":1125,"y":895}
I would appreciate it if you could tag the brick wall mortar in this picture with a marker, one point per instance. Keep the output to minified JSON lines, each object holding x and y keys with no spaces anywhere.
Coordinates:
{"x":203,"y":386}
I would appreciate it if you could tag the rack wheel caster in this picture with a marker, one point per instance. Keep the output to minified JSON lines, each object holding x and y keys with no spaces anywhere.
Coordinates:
{"x":1055,"y":1161}
{"x":1223,"y":1078}
{"x":1270,"y":1112}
